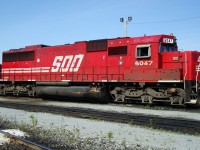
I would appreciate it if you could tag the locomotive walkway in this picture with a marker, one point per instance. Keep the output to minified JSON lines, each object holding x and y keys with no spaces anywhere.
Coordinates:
{"x":190,"y":126}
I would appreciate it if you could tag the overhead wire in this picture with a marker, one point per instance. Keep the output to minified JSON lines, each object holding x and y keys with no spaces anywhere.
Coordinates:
{"x":164,"y":21}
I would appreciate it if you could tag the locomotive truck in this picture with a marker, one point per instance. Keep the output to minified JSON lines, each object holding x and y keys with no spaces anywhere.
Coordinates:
{"x":147,"y":69}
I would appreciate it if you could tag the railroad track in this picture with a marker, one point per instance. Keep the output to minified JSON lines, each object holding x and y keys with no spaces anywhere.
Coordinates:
{"x":25,"y":144}
{"x":153,"y":121}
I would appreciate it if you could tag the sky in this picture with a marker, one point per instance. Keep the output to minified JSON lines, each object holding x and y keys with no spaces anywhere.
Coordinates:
{"x":57,"y":22}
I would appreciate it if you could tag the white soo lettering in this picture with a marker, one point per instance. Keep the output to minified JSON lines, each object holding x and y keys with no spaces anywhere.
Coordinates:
{"x":67,"y":63}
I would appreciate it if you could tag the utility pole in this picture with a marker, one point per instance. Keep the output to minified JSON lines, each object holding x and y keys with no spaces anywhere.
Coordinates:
{"x":126,"y":21}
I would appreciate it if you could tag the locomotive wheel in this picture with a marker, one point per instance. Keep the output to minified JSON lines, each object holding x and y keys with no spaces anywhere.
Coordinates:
{"x":112,"y":92}
{"x":147,"y":99}
{"x":116,"y":94}
{"x":177,"y":100}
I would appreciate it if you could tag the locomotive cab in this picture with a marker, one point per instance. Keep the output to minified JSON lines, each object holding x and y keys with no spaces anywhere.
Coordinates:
{"x":187,"y":65}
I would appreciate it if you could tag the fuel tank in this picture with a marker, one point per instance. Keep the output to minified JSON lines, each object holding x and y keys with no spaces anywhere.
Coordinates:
{"x":73,"y":92}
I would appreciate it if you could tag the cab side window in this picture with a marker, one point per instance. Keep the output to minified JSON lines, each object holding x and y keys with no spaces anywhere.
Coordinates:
{"x":143,"y":51}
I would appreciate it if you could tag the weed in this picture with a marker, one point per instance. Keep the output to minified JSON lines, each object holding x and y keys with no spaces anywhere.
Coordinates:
{"x":110,"y":135}
{"x":124,"y":145}
{"x":147,"y":106}
{"x":197,"y":134}
{"x":131,"y":122}
{"x":34,"y":121}
{"x":152,"y":123}
{"x":23,"y":126}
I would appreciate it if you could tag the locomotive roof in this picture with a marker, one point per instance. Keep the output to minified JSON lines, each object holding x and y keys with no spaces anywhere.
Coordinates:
{"x":150,"y":38}
{"x":133,"y":40}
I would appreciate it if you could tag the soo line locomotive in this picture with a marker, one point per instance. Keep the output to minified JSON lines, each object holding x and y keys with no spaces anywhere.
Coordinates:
{"x":147,"y":69}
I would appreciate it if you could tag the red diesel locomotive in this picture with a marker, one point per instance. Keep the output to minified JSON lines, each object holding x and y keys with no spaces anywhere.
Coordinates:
{"x":147,"y":69}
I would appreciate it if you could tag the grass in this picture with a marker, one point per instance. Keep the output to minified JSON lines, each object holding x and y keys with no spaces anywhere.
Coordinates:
{"x":62,"y":138}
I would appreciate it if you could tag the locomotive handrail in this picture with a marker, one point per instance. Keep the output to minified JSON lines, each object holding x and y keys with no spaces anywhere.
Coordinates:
{"x":41,"y":74}
{"x":185,"y":71}
{"x":197,"y":69}
{"x":23,"y":75}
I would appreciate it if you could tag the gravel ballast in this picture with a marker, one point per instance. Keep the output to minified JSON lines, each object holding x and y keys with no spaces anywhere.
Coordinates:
{"x":107,"y":107}
{"x":132,"y":135}
{"x":125,"y":109}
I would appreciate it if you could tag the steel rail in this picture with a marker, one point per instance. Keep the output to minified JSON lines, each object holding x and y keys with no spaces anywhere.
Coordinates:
{"x":154,"y":121}
{"x":17,"y":140}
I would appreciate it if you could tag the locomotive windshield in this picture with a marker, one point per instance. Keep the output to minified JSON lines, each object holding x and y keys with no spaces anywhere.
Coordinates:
{"x":168,"y":45}
{"x":169,"y":48}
